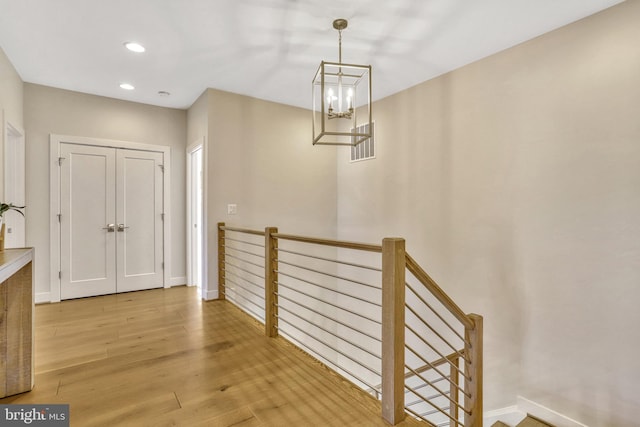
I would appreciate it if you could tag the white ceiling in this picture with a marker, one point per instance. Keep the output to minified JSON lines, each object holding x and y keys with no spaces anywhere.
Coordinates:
{"x":268,"y":49}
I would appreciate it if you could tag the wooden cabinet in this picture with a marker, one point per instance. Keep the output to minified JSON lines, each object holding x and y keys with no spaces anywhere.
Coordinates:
{"x":16,"y":321}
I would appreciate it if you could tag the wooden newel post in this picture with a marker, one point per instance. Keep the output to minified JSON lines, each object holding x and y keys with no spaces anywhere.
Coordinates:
{"x":473,"y":370}
{"x":270,"y":282}
{"x":393,"y":296}
{"x":221,"y":260}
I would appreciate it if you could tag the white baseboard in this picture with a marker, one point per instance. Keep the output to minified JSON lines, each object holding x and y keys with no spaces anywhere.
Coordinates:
{"x":509,"y":415}
{"x":211,"y":294}
{"x":177,"y":281}
{"x":546,"y":414}
{"x":512,"y":415}
{"x":43,"y":297}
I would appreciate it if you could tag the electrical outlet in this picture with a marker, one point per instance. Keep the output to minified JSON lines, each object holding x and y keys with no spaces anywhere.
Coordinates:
{"x":232,"y":209}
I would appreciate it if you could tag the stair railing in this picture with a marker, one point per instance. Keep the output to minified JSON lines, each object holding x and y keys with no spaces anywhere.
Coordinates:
{"x":369,"y":312}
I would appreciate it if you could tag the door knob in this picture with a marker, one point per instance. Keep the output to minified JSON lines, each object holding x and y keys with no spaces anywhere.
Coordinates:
{"x":121,"y":227}
{"x":110,"y":228}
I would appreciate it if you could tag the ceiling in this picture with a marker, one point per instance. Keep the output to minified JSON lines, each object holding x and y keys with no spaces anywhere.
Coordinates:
{"x":268,"y":49}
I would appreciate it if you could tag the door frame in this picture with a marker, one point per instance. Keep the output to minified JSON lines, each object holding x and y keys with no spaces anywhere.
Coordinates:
{"x":12,"y":132}
{"x":54,"y":197}
{"x":198,"y":144}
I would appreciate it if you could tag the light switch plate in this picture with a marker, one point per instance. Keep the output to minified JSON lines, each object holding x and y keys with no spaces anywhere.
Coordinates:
{"x":232,"y":209}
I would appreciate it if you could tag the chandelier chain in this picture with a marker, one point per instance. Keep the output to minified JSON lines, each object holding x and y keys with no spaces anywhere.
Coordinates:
{"x":340,"y":46}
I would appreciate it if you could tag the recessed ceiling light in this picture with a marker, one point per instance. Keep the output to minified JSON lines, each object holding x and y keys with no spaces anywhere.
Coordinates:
{"x":134,"y":47}
{"x":127,"y":86}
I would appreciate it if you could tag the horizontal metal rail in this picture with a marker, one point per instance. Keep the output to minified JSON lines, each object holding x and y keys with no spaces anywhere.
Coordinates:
{"x":251,"y":312}
{"x":336,"y":261}
{"x":353,"y":328}
{"x":239,"y":285}
{"x":228,"y":264}
{"x":306,"y":333}
{"x":327,"y":288}
{"x":231,"y":248}
{"x":316,"y":354}
{"x":359,"y":347}
{"x":346,"y":310}
{"x":242,"y":307}
{"x":255,"y":285}
{"x":246,"y":242}
{"x":240,"y":290}
{"x":324,"y":273}
{"x":227,"y":255}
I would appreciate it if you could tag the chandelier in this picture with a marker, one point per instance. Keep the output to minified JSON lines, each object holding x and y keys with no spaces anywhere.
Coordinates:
{"x":340,"y":92}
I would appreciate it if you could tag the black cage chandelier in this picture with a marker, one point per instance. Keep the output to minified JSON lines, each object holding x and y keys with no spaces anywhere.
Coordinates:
{"x":340,"y":92}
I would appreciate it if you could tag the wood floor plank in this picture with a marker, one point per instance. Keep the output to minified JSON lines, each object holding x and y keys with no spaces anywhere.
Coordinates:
{"x":242,"y":417}
{"x":165,"y":358}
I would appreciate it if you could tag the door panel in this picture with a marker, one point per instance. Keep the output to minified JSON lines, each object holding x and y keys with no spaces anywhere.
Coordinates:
{"x":101,"y":186}
{"x":196,"y":192}
{"x":139,"y":211}
{"x":87,"y":201}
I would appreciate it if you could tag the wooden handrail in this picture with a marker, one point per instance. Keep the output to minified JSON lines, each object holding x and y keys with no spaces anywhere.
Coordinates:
{"x":437,"y":292}
{"x":242,"y":230}
{"x":312,"y":240}
{"x":326,"y":242}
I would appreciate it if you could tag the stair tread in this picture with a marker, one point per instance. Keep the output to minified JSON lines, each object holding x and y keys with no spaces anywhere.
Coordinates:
{"x":499,"y":424}
{"x":533,"y":422}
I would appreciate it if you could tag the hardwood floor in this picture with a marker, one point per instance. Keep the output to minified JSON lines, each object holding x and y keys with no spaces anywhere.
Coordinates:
{"x":165,"y":358}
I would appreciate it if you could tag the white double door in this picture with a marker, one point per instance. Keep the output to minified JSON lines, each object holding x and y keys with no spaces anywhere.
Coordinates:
{"x":111,"y":220}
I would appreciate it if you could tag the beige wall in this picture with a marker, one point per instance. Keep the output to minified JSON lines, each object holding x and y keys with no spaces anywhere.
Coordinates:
{"x":10,"y":92}
{"x":198,"y":119}
{"x":260,"y":157}
{"x":55,"y":111}
{"x":11,"y":89}
{"x":11,"y":110}
{"x":516,"y":182}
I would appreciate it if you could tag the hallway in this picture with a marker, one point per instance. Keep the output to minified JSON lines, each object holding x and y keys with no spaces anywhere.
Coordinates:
{"x":163,"y":358}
